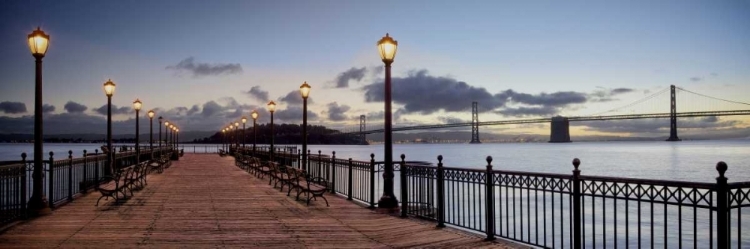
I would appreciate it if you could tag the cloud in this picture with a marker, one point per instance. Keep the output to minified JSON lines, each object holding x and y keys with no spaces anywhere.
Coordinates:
{"x":451,"y":120}
{"x":210,"y":108}
{"x":257,"y":93}
{"x":47,"y":108}
{"x":356,"y":74}
{"x":556,"y":99}
{"x":337,"y":112}
{"x":12,"y":107}
{"x":656,"y":126}
{"x":293,"y":114}
{"x":193,"y":110}
{"x":696,"y":79}
{"x":377,"y":71}
{"x":73,"y":107}
{"x":294,"y":98}
{"x":115,"y":110}
{"x":714,"y":74}
{"x":205,"y":69}
{"x":529,"y":111}
{"x":421,"y":93}
{"x":426,"y":94}
{"x":605,"y":94}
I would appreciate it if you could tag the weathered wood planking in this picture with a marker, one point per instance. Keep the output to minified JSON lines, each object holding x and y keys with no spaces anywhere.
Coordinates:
{"x":205,"y":201}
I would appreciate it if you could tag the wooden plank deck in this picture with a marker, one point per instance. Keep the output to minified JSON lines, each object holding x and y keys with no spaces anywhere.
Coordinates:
{"x":205,"y":201}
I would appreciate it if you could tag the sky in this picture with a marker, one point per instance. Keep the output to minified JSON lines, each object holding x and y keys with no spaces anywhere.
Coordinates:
{"x":204,"y":64}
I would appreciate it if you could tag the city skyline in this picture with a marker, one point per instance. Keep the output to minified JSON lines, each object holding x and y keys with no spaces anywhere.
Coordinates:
{"x":206,"y":65}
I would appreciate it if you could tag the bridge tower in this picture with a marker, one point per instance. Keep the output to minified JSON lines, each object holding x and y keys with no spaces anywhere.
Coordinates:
{"x":362,"y":128}
{"x":559,"y":130}
{"x":673,"y":116}
{"x":474,"y":124}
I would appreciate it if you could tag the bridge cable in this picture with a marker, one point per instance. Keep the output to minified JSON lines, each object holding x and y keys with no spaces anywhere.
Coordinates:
{"x":715,"y":98}
{"x":632,"y":104}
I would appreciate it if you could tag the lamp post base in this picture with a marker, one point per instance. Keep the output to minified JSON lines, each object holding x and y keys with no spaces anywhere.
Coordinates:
{"x":39,"y":207}
{"x":388,"y":202}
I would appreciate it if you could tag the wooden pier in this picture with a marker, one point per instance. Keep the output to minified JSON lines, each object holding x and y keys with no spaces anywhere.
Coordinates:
{"x":205,"y":201}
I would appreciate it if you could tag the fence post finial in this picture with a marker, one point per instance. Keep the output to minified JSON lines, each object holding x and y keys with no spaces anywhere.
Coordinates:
{"x":722,"y":207}
{"x":577,"y":204}
{"x":440,"y":192}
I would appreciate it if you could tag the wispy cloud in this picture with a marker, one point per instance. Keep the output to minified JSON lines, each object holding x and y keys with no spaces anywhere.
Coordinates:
{"x":205,"y":69}
{"x":356,"y":74}
{"x":257,"y":93}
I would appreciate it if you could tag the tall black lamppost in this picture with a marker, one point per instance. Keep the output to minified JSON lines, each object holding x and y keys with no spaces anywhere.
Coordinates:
{"x":244,"y":120}
{"x":387,"y":49}
{"x":151,"y":114}
{"x":237,"y":134}
{"x":254,"y":115}
{"x":109,"y":90}
{"x":304,"y":90}
{"x":166,"y":134}
{"x":160,"y":119}
{"x":231,"y":135}
{"x":174,"y":136}
{"x":226,"y":138}
{"x":38,"y":205}
{"x":177,"y":138}
{"x":271,"y":109}
{"x":137,"y":104}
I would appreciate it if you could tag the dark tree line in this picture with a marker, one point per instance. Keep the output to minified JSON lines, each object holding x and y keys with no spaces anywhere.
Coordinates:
{"x":285,"y":134}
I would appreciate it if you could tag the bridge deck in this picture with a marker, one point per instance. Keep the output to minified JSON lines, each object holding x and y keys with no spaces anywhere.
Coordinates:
{"x":205,"y":201}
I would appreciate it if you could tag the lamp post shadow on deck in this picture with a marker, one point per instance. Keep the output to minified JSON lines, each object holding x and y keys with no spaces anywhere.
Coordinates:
{"x":304,"y":90}
{"x":387,"y":48}
{"x":254,"y":115}
{"x":271,"y":109}
{"x":38,"y":204}
{"x":137,"y":104}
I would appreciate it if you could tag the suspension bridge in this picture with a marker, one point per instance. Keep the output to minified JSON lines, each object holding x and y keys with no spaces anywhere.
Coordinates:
{"x":692,"y":104}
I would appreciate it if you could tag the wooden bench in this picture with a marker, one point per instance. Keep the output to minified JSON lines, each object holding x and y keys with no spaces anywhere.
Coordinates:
{"x":222,"y":153}
{"x":115,"y":184}
{"x":280,"y":175}
{"x":313,"y":187}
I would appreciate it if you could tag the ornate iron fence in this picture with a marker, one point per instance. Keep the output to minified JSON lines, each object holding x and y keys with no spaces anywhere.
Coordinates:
{"x":575,"y":211}
{"x":64,"y":179}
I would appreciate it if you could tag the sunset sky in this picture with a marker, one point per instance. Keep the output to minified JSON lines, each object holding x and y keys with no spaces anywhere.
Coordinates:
{"x":206,"y":63}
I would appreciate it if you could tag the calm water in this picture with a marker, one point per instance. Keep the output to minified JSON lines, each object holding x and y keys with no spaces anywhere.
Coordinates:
{"x":686,"y":160}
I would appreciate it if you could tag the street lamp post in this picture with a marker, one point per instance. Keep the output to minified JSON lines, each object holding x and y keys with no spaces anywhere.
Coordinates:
{"x":236,"y":134}
{"x":231,"y":135}
{"x":271,"y":109}
{"x":151,"y":114}
{"x":38,"y":204}
{"x":304,"y":90}
{"x":160,"y":120}
{"x":166,"y":134}
{"x":177,"y":139}
{"x":137,"y":104}
{"x":254,"y":115}
{"x":244,"y":120}
{"x":387,"y":48}
{"x":109,"y":90}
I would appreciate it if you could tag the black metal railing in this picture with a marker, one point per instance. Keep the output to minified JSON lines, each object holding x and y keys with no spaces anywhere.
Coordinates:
{"x":12,"y":192}
{"x":64,"y":179}
{"x":575,"y":211}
